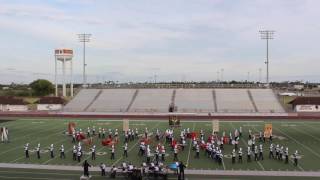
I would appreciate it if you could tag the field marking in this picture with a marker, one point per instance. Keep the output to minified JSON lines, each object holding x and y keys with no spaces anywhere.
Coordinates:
{"x":290,"y":159}
{"x":307,"y":134}
{"x":193,"y":127}
{"x":14,"y":177}
{"x":28,"y":125}
{"x":305,"y":146}
{"x":30,"y":142}
{"x":44,"y":148}
{"x":133,"y":146}
{"x":260,"y":165}
{"x":116,"y":127}
{"x":44,"y":173}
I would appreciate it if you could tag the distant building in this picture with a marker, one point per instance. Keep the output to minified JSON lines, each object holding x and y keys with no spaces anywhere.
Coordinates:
{"x":50,"y":104}
{"x":8,"y":103}
{"x":306,"y":104}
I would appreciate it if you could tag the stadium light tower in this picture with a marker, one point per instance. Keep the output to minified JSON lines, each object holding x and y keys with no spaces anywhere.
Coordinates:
{"x":84,"y":38}
{"x":267,"y":35}
{"x":222,"y":70}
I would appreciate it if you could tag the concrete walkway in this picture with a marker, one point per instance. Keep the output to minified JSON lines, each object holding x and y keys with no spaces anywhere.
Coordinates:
{"x":187,"y":171}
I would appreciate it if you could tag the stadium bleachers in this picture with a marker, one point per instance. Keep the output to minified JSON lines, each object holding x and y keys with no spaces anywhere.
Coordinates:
{"x":82,"y":100}
{"x":112,"y":100}
{"x":194,"y":100}
{"x":233,"y":100}
{"x":266,"y":101}
{"x":152,"y":100}
{"x":187,"y":100}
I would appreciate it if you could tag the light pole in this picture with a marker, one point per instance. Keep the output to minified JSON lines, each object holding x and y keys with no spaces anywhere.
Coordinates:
{"x":266,"y":35}
{"x":84,"y":38}
{"x":260,"y":70}
{"x":222,"y":70}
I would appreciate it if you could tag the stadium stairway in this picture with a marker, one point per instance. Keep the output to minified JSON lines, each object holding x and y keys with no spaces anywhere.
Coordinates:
{"x":93,"y":100}
{"x":252,"y":101}
{"x":132,"y":100}
{"x":214,"y":98}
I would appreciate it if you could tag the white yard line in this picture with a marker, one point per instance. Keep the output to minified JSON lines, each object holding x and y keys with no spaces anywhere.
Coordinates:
{"x":27,"y":129}
{"x":305,"y":146}
{"x":190,"y":145}
{"x":44,"y":148}
{"x":307,"y":134}
{"x":14,"y":177}
{"x":30,"y":141}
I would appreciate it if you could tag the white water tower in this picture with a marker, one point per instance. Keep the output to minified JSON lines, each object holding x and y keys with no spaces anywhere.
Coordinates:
{"x":64,"y":55}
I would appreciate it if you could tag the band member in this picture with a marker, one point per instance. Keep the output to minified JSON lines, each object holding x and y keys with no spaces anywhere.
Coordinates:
{"x":74,"y":153}
{"x":278,"y":152}
{"x":103,"y":169}
{"x":271,"y":155}
{"x":240,"y":155}
{"x":94,"y":130}
{"x":103,"y":133}
{"x":295,"y":158}
{"x":112,"y":151}
{"x":163,"y":153}
{"x":249,"y":154}
{"x":175,"y":155}
{"x":93,"y":152}
{"x":256,"y":153}
{"x":233,"y":156}
{"x":73,"y":137}
{"x":88,"y":132}
{"x":197,"y":151}
{"x":125,"y":150}
{"x":260,"y":137}
{"x":260,"y":152}
{"x":286,"y":152}
{"x":99,"y":132}
{"x":79,"y":154}
{"x":62,"y":155}
{"x":157,"y":154}
{"x":26,"y":149}
{"x":38,"y":151}
{"x":51,"y":151}
{"x":137,"y":133}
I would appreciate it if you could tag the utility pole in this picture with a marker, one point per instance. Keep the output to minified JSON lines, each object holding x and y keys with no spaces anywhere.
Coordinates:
{"x":248,"y":78}
{"x":218,"y":76}
{"x":267,"y":35}
{"x":84,"y":38}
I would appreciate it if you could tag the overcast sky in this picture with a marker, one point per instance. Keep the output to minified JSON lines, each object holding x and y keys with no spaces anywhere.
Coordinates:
{"x":133,"y":40}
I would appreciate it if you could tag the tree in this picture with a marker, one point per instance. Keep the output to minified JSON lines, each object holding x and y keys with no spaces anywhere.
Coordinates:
{"x":42,"y":87}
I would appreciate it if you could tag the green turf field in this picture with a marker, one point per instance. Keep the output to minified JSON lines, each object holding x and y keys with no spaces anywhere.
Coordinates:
{"x":303,"y":136}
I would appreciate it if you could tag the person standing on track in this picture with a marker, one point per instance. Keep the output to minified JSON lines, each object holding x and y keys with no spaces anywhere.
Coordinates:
{"x":86,"y":166}
{"x":181,"y":170}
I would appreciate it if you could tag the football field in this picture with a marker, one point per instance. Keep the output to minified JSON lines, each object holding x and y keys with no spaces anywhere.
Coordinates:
{"x":303,"y":136}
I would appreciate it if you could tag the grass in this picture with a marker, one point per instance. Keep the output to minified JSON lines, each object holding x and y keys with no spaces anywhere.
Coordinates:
{"x":303,"y":136}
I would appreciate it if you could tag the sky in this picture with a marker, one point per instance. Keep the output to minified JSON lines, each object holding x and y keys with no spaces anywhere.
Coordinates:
{"x":172,"y":40}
